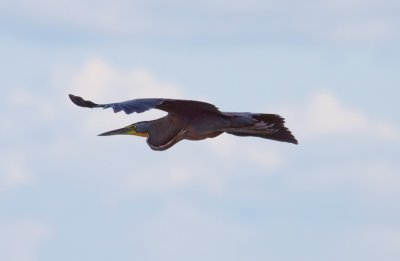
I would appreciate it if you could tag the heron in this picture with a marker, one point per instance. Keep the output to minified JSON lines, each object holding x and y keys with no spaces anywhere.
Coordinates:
{"x":191,"y":120}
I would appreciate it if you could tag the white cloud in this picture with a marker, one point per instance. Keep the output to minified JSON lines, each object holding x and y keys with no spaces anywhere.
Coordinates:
{"x":25,"y":112}
{"x":324,"y":114}
{"x":370,"y":31}
{"x":378,"y":179}
{"x":237,"y":6}
{"x":13,"y":171}
{"x":182,"y":231}
{"x":387,"y":131}
{"x":170,"y":176}
{"x":21,"y":240}
{"x":346,"y":6}
{"x":355,"y":21}
{"x":116,"y":17}
{"x":208,"y":164}
{"x":25,"y":100}
{"x":376,"y":242}
{"x":327,"y":115}
{"x":100,"y":82}
{"x":231,"y":149}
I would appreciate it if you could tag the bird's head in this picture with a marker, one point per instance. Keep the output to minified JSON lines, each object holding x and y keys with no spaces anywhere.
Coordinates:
{"x":134,"y":129}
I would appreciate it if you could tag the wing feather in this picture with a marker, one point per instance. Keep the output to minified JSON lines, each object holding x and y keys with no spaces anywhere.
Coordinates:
{"x":142,"y":105}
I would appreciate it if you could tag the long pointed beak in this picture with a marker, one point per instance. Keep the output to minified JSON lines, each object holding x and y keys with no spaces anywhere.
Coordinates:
{"x":122,"y":131}
{"x":128,"y":130}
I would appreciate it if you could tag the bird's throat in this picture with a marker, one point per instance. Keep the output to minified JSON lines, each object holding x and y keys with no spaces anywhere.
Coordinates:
{"x":140,"y":134}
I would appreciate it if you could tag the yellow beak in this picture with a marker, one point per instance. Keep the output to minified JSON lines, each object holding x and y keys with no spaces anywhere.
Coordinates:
{"x":129,"y":130}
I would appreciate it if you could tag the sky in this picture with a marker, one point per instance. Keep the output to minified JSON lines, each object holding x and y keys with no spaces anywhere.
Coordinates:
{"x":331,"y":68}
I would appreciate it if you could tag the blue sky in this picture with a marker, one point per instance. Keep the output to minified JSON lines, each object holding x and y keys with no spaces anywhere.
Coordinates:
{"x":330,"y":68}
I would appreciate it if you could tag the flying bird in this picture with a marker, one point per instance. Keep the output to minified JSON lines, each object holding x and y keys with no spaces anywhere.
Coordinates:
{"x":192,"y":120}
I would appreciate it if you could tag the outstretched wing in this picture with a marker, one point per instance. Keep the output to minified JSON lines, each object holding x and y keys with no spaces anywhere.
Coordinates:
{"x":141,"y":105}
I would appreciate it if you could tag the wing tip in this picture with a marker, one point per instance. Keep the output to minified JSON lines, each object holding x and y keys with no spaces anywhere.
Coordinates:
{"x":79,"y":101}
{"x":294,"y":141}
{"x":286,"y":135}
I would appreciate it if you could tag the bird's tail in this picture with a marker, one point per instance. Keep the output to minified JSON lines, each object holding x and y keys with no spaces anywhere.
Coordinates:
{"x":267,"y":126}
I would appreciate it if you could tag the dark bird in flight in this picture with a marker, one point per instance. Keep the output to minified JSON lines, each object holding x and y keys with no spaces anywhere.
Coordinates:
{"x":192,"y":120}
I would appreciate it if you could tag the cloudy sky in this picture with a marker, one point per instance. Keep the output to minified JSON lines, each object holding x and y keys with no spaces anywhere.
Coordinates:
{"x":331,"y":68}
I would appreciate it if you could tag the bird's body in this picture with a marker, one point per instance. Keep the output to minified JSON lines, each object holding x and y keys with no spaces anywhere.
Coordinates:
{"x":192,"y":120}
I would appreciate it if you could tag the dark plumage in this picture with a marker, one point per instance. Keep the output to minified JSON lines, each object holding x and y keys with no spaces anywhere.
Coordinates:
{"x":192,"y":120}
